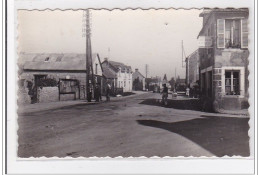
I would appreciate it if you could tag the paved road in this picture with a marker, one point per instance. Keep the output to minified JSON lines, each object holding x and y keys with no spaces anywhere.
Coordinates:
{"x":132,"y":126}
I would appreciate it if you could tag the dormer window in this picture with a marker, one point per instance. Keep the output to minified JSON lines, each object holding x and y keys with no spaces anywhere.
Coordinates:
{"x":47,"y":59}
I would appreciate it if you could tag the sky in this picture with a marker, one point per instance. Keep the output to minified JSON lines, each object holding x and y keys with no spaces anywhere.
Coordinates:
{"x":133,"y":37}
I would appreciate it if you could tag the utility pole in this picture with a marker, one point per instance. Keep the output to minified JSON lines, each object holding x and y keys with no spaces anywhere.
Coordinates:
{"x":183,"y":54}
{"x":146,"y":70}
{"x":185,"y":60}
{"x":175,"y":73}
{"x":88,"y":57}
{"x":108,"y":50}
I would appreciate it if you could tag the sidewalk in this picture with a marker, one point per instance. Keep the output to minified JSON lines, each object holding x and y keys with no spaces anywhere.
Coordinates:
{"x":37,"y":107}
{"x":242,"y":112}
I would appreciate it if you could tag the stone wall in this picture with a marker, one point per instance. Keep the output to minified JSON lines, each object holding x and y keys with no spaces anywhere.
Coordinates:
{"x":230,"y":58}
{"x":48,"y":94}
{"x":81,"y":76}
{"x":23,"y":97}
{"x":65,"y":97}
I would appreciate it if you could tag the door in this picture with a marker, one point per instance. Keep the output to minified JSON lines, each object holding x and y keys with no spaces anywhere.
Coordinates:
{"x":37,"y":81}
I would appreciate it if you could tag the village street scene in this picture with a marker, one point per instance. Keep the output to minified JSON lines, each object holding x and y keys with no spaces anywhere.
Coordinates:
{"x":98,"y":83}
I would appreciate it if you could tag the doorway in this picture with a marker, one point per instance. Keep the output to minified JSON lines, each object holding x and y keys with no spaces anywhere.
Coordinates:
{"x":37,"y":80}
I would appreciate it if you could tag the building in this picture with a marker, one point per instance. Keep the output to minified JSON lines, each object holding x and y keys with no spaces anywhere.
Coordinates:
{"x":153,"y":84}
{"x":192,"y":66}
{"x":68,"y":70}
{"x":180,"y":85}
{"x":119,"y":75}
{"x":223,"y":55}
{"x":138,"y":81}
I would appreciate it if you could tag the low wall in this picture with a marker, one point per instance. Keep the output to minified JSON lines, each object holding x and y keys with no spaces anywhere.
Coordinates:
{"x":23,"y":97}
{"x":65,"y":97}
{"x":48,"y":94}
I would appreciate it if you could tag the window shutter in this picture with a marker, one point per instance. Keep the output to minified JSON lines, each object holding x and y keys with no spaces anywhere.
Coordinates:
{"x":244,"y":33}
{"x":221,"y":33}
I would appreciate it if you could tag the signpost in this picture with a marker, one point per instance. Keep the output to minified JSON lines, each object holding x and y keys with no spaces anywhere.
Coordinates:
{"x":205,"y":42}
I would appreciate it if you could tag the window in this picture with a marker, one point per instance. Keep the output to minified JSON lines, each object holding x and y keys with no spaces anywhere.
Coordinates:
{"x":232,"y":33}
{"x":232,"y":86}
{"x":124,"y":83}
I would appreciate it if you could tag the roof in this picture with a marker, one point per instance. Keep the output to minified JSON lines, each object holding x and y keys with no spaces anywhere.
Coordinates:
{"x":209,"y":12}
{"x":54,"y":61}
{"x":108,"y":73}
{"x":117,"y":65}
{"x":193,"y":53}
{"x":137,"y":73}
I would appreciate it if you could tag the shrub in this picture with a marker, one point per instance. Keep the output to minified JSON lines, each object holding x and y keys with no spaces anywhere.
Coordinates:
{"x":47,"y":82}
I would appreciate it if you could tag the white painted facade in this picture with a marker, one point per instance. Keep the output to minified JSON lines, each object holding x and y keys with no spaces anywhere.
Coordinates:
{"x":96,"y":66}
{"x":124,"y":80}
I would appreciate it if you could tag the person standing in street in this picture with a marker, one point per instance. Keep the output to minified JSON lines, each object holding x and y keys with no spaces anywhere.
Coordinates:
{"x":96,"y":93}
{"x":99,"y":92}
{"x":108,"y":88}
{"x":164,"y":94}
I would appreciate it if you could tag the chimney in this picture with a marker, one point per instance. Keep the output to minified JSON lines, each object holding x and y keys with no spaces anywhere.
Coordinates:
{"x":136,"y":70}
{"x":106,"y":59}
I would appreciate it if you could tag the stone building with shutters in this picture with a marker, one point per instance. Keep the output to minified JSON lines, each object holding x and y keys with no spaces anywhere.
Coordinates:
{"x":223,"y":58}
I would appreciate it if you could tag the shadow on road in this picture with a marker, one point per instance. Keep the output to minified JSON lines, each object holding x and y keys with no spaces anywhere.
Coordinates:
{"x":190,"y":104}
{"x":219,"y":135}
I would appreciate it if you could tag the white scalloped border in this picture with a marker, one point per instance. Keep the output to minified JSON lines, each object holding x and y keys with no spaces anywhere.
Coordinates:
{"x":42,"y":158}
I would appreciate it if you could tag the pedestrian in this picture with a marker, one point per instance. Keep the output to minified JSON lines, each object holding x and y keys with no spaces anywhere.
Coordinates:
{"x":99,"y":92}
{"x":164,"y":94}
{"x":108,"y":88}
{"x":96,"y":93}
{"x":188,"y":91}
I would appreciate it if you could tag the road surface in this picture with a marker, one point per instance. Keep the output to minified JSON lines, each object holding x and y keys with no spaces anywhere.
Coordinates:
{"x":131,"y":126}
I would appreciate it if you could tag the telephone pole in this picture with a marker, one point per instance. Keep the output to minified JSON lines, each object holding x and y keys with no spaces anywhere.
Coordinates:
{"x":146,"y":70}
{"x":88,"y":57}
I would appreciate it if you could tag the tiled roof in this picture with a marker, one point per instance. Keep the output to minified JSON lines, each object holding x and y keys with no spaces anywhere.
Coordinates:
{"x":119,"y":65}
{"x":137,"y":74}
{"x":54,"y":61}
{"x":108,"y":73}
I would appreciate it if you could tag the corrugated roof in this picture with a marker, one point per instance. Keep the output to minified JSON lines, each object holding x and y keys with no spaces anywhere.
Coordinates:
{"x":54,"y":61}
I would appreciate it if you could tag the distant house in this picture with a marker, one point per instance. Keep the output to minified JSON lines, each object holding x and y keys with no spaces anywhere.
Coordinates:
{"x":69,"y":69}
{"x":154,"y":84}
{"x":138,"y":80}
{"x":118,"y":74}
{"x":180,"y":84}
